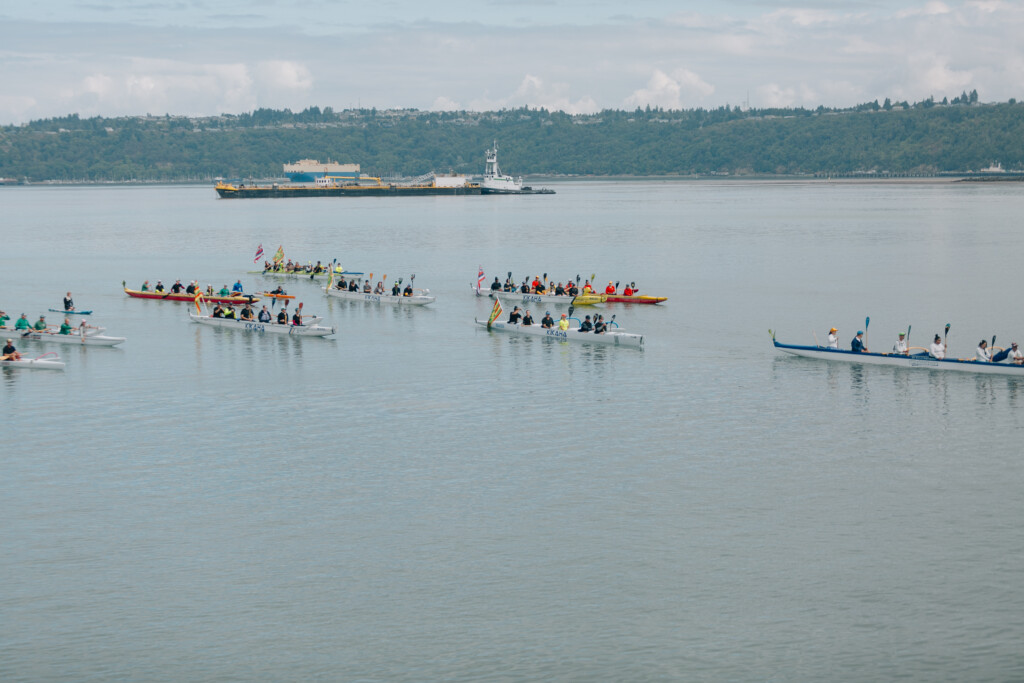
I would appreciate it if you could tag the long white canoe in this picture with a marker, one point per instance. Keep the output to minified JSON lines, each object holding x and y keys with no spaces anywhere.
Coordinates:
{"x":610,"y":338}
{"x":917,"y":361}
{"x":414,"y":300}
{"x":75,"y":338}
{"x":312,"y":329}
{"x":42,"y":363}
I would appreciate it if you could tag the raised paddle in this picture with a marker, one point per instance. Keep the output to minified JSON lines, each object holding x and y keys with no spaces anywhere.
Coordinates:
{"x":992,"y":347}
{"x":908,"y":340}
{"x":867,"y":321}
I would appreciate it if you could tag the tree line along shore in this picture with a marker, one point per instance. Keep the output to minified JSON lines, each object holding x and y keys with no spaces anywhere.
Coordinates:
{"x":926,"y":139}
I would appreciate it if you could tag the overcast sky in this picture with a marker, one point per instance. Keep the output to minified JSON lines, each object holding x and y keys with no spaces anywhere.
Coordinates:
{"x":201,"y":57}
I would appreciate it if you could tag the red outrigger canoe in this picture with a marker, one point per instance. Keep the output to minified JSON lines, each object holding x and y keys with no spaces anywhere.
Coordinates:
{"x":634,"y":299}
{"x":211,"y":298}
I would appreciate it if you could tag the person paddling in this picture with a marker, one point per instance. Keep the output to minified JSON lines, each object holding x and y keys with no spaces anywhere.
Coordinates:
{"x":9,"y":352}
{"x":900,"y":347}
{"x":937,"y":349}
{"x":857,"y":343}
{"x":69,"y":304}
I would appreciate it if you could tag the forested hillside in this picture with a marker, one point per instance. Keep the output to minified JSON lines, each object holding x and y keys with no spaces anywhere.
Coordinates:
{"x":924,"y":138}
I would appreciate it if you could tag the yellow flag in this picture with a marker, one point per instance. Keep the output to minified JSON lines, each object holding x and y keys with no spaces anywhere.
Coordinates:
{"x":495,"y":312}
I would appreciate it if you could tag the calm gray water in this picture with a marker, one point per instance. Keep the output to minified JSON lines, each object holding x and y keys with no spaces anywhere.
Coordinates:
{"x":417,"y":499}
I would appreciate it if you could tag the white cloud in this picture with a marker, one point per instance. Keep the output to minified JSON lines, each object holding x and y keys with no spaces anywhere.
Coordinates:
{"x":445,"y":104}
{"x":682,"y":89}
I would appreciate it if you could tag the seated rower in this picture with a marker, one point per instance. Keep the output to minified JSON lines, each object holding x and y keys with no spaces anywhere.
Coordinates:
{"x":547,"y":322}
{"x":318,"y":268}
{"x":282,"y":317}
{"x":353,"y":286}
{"x":379,"y":289}
{"x":342,"y":285}
{"x":246,"y":313}
{"x":587,"y":289}
{"x":264,"y":316}
{"x":408,"y":290}
{"x":982,"y":354}
{"x":563,"y":324}
{"x":237,"y":287}
{"x":629,"y":290}
{"x":218,"y":312}
{"x":177,"y":287}
{"x":229,"y":312}
{"x":599,"y":326}
{"x":524,"y":288}
{"x":144,"y":287}
{"x":937,"y":349}
{"x":527,"y":318}
{"x":515,"y":316}
{"x":857,"y":343}
{"x":559,"y":290}
{"x":159,"y":286}
{"x":540,"y":288}
{"x":9,"y":352}
{"x":65,"y":327}
{"x":366,"y":287}
{"x":192,"y":287}
{"x":610,"y":289}
{"x":495,"y":286}
{"x":41,"y":323}
{"x":572,"y":289}
{"x":3,"y":320}
{"x":396,"y":290}
{"x":224,"y":291}
{"x":22,"y":323}
{"x":900,"y":347}
{"x":586,"y":325}
{"x":297,"y":319}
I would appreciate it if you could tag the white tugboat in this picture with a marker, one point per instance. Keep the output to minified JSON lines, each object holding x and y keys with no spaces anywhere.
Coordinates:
{"x":496,"y":183}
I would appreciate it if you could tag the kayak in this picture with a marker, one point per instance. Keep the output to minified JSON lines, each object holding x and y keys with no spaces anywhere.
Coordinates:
{"x":271,"y":295}
{"x":73,"y":338}
{"x":211,"y":298}
{"x":40,"y":363}
{"x":414,"y":300}
{"x":60,"y":310}
{"x":634,"y":299}
{"x":311,"y":329}
{"x":915,"y":361}
{"x":610,"y":338}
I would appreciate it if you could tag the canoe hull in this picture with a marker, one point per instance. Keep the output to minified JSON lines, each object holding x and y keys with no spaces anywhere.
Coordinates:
{"x":924,"y":362}
{"x":634,"y":299}
{"x":626,"y":339}
{"x":34,"y":364}
{"x":415,"y":300}
{"x":73,"y":339}
{"x":212,"y":299}
{"x":61,"y":310}
{"x":311,"y":330}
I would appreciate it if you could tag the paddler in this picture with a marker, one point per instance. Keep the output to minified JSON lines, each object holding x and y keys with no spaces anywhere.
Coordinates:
{"x":586,"y":325}
{"x":559,"y":290}
{"x":177,"y":287}
{"x":41,"y":323}
{"x":366,"y":287}
{"x":218,"y":312}
{"x":937,"y":349}
{"x":563,"y":324}
{"x":408,"y":290}
{"x":282,"y":316}
{"x":224,"y":291}
{"x":9,"y":352}
{"x":3,"y":320}
{"x":857,"y":343}
{"x":572,"y":289}
{"x":229,"y":312}
{"x":900,"y":347}
{"x":144,"y":287}
{"x":599,"y":325}
{"x":159,"y":286}
{"x":527,"y":318}
{"x":833,"y":340}
{"x":547,"y":322}
{"x":65,"y":327}
{"x":379,"y":289}
{"x":495,"y":286}
{"x":587,"y":289}
{"x":610,"y":289}
{"x":69,"y":304}
{"x":279,"y":290}
{"x":22,"y":323}
{"x":246,"y":313}
{"x":192,"y":287}
{"x":395,"y":289}
{"x":237,"y":287}
{"x":982,"y":354}
{"x":264,"y":316}
{"x":629,"y":290}
{"x":515,"y":315}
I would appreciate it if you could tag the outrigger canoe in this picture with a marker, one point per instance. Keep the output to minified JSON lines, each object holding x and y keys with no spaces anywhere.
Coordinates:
{"x":917,"y":361}
{"x":238,"y":300}
{"x":414,"y":300}
{"x":634,"y":299}
{"x":47,"y":361}
{"x":61,"y":310}
{"x":311,"y":329}
{"x":610,"y":338}
{"x":548,"y":299}
{"x":74,"y":338}
{"x":303,"y":273}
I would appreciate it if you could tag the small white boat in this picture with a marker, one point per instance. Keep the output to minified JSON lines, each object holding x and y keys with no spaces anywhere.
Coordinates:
{"x":610,"y":338}
{"x":916,"y":361}
{"x":310,"y":329}
{"x":47,"y":361}
{"x":421,"y":299}
{"x":91,"y":338}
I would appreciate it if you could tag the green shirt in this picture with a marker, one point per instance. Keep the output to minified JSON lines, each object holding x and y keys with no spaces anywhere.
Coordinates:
{"x":145,"y":288}
{"x":65,"y":328}
{"x":224,"y":292}
{"x":4,"y":319}
{"x":22,"y":324}
{"x":40,"y":324}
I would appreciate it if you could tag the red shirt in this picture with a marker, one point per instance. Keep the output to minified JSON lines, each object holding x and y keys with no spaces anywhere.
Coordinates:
{"x":610,"y":289}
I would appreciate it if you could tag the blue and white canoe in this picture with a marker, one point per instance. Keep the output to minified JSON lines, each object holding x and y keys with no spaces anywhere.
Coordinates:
{"x":917,"y":361}
{"x":61,"y":310}
{"x":309,"y":328}
{"x":573,"y":334}
{"x":423,"y":298}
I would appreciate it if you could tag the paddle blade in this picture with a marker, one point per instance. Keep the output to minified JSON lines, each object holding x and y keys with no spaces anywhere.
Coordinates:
{"x":867,"y":321}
